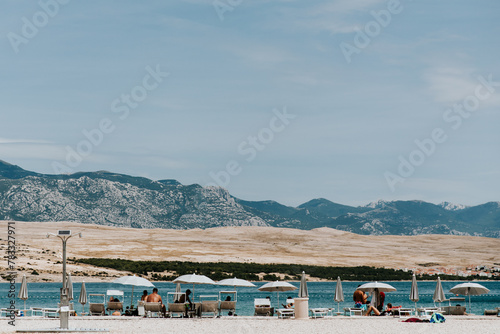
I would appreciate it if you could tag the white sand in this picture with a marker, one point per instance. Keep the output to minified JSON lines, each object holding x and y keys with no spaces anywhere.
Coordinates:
{"x":247,"y":325}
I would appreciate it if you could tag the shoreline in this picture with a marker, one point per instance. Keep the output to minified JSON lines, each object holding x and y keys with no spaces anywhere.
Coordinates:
{"x":247,"y":325}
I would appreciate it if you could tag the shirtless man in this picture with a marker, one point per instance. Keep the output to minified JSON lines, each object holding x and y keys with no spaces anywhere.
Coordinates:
{"x":155,"y":298}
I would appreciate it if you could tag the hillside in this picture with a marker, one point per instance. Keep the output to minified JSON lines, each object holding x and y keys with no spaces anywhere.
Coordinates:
{"x":108,"y":198}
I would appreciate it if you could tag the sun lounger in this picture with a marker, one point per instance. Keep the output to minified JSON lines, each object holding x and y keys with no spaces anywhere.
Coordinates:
{"x":403,"y":312}
{"x":153,"y":308}
{"x":227,"y":305}
{"x":51,"y":312}
{"x":263,"y":307}
{"x":285,"y":313}
{"x":209,"y":306}
{"x":96,"y":308}
{"x":176,"y":309}
{"x":319,"y":312}
{"x":353,"y":311}
{"x":454,"y":310}
{"x":114,"y":305}
{"x":427,"y":311}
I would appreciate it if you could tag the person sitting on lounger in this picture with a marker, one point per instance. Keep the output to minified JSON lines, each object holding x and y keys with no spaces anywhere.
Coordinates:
{"x":289,"y":305}
{"x":156,"y":298}
{"x":186,"y":300}
{"x":376,"y":311}
{"x":144,"y":295}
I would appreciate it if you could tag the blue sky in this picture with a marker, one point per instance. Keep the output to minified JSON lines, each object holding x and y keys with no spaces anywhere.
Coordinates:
{"x":353,"y":101}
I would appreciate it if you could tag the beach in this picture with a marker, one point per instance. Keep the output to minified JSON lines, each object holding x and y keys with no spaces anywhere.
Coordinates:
{"x":248,"y":325}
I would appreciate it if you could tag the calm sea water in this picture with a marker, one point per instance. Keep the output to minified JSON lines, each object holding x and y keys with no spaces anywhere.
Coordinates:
{"x":321,"y":294}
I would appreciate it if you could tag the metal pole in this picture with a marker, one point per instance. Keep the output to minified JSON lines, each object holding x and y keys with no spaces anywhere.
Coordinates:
{"x":64,"y":315}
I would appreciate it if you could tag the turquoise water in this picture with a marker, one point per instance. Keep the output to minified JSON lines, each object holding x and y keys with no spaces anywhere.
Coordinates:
{"x":320,"y":294}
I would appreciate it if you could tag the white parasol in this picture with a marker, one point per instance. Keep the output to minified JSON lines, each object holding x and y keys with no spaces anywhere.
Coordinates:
{"x":277,"y":286}
{"x":468,"y":289}
{"x":193,"y":279}
{"x":134,"y":281}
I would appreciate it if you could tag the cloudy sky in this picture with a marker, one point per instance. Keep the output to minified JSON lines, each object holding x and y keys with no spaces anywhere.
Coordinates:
{"x":353,"y":101}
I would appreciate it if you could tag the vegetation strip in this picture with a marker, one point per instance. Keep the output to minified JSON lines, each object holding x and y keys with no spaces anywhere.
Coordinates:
{"x":169,"y":270}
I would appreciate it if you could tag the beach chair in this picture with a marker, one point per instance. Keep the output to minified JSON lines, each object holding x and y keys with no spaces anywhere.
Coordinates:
{"x":263,"y":307}
{"x":427,"y":312}
{"x":71,"y":308}
{"x":178,"y":309}
{"x":319,"y":312}
{"x":114,"y":305}
{"x":227,"y":305}
{"x":153,"y":308}
{"x":97,"y":308}
{"x":209,"y":307}
{"x":286,"y":312}
{"x":173,"y":308}
{"x":353,"y":311}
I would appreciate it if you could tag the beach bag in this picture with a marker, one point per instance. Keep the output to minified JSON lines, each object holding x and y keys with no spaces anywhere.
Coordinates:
{"x":437,"y":318}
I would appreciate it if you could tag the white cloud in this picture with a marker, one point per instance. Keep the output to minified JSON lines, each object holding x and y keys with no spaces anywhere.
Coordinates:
{"x":22,"y":141}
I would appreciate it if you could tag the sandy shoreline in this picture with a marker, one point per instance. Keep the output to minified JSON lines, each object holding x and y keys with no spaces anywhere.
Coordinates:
{"x":247,"y":325}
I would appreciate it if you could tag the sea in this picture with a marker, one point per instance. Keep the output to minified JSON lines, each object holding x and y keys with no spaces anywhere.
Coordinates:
{"x":321,"y":294}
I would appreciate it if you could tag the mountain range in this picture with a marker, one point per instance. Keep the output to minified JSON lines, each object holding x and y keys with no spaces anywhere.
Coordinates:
{"x":127,"y":201}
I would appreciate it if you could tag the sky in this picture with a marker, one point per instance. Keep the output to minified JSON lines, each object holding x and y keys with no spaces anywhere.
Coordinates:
{"x":352,"y":101}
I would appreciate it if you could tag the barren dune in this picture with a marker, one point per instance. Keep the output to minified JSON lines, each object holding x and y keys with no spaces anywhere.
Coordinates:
{"x":324,"y":246}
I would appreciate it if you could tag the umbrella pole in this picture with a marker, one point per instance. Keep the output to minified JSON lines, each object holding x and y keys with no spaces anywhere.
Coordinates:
{"x":470,"y":307}
{"x":25,"y":307}
{"x":132,"y":298}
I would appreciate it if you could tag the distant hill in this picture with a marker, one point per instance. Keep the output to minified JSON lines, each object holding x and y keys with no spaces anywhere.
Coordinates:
{"x":108,"y":198}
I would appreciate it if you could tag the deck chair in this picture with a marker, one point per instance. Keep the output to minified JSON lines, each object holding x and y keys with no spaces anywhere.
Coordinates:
{"x":114,"y":306}
{"x":71,"y":308}
{"x":263,"y":307}
{"x":209,"y":306}
{"x":96,"y":308}
{"x":151,"y":308}
{"x":176,"y":309}
{"x":286,"y":312}
{"x":229,"y":306}
{"x":353,"y":311}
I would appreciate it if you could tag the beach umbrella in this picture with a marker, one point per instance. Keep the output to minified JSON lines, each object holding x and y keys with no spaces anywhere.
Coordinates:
{"x":438,"y":296}
{"x":83,"y":296}
{"x":134,"y":281}
{"x":69,"y":286}
{"x":468,"y":289}
{"x":23,"y":291}
{"x":193,"y":279}
{"x":339,"y":293}
{"x":414,"y":291}
{"x":381,"y":287}
{"x":236,"y":282}
{"x":375,"y":288}
{"x":277,"y":286}
{"x":303,"y":286}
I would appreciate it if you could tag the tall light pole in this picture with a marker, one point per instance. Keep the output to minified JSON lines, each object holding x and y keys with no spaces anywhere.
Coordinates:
{"x":64,"y":235}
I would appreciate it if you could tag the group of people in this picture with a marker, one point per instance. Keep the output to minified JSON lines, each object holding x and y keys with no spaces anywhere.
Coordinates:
{"x":156,"y":298}
{"x":360,"y":299}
